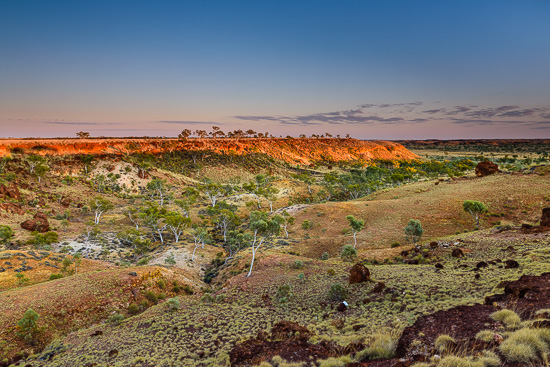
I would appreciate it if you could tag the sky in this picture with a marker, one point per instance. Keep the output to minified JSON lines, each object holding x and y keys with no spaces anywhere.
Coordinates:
{"x":383,"y":69}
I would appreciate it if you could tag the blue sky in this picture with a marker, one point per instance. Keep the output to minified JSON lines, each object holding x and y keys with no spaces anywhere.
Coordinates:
{"x":374,"y":69}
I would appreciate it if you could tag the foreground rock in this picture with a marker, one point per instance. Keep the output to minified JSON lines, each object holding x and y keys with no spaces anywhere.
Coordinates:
{"x":39,"y":223}
{"x":486,"y":168}
{"x":359,"y":274}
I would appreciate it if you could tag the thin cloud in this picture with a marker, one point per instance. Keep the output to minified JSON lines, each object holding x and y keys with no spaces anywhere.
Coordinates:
{"x":183,"y":122}
{"x":81,"y":123}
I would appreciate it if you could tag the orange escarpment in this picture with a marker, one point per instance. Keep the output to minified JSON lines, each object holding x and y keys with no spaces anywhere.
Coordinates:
{"x":303,"y":150}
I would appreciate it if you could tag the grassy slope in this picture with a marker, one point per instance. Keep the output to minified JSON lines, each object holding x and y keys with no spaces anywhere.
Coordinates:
{"x":438,"y":207}
{"x":75,"y":302}
{"x":204,"y":333}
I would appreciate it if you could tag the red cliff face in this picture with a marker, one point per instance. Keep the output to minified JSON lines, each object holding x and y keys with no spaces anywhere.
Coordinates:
{"x":303,"y":151}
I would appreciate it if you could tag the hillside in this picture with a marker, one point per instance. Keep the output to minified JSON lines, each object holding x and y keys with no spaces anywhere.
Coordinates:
{"x":303,"y":151}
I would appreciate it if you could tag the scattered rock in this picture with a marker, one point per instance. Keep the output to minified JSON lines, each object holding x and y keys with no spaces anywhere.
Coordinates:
{"x":457,"y":253}
{"x":12,"y":208}
{"x":486,"y":168}
{"x":359,"y":274}
{"x":439,"y":266}
{"x":341,"y":307}
{"x":434,"y":245}
{"x":66,"y":202}
{"x":97,"y":333}
{"x":481,"y":264}
{"x":10,"y":191}
{"x":379,"y":287}
{"x":133,"y":274}
{"x":545,"y":219}
{"x":477,"y":276}
{"x":511,"y":264}
{"x":39,"y":223}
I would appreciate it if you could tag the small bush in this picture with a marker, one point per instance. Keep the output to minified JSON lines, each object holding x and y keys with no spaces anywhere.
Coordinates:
{"x":161,"y":283}
{"x":297,"y":264}
{"x":173,"y":303}
{"x":54,"y":276}
{"x":115,"y":318}
{"x":526,"y":345}
{"x":133,"y":309}
{"x":143,"y":304}
{"x":382,"y":346}
{"x":508,"y":317}
{"x":331,"y":272}
{"x":284,"y":293}
{"x":452,"y":361}
{"x":337,"y":292}
{"x":395,"y":244}
{"x":151,"y":296}
{"x":444,"y":343}
{"x":348,"y":253}
{"x":325,"y":256}
{"x":188,"y":290}
{"x":143,"y":261}
{"x":486,"y":335}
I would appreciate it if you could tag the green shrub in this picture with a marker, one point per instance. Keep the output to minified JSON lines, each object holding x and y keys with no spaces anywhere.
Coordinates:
{"x":143,"y":304}
{"x":284,"y":293}
{"x":115,"y":318}
{"x":151,"y":296}
{"x":21,"y":279}
{"x":331,"y":272}
{"x":27,"y":325}
{"x":486,"y":335}
{"x":527,"y":345}
{"x":297,"y":264}
{"x":6,"y":233}
{"x":395,"y":244}
{"x":56,"y":276}
{"x":444,"y":343}
{"x":348,"y":253}
{"x":382,"y":346}
{"x":508,"y":317}
{"x":143,"y":261}
{"x":452,"y":361}
{"x":188,"y":290}
{"x":161,"y":283}
{"x":173,"y":303}
{"x":337,"y":292}
{"x":133,"y":309}
{"x":325,"y":256}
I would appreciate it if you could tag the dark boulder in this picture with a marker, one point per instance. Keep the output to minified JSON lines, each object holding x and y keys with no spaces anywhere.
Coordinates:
{"x":486,"y":168}
{"x":359,"y":274}
{"x":511,"y":264}
{"x":39,"y":223}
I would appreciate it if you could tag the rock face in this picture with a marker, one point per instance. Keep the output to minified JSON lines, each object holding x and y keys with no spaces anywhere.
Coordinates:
{"x":38,"y":223}
{"x":12,"y":208}
{"x":486,"y":168}
{"x":359,"y":274}
{"x":10,"y":191}
{"x":545,"y":219}
{"x":303,"y":151}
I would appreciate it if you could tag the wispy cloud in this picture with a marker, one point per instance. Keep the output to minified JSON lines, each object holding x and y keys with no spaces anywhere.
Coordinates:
{"x":81,"y":123}
{"x":185,"y":122}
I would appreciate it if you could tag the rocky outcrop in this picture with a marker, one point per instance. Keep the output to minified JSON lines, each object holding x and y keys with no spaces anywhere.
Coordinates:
{"x":39,"y":223}
{"x":486,"y":168}
{"x":12,"y":208}
{"x":10,"y":191}
{"x":359,"y":274}
{"x":303,"y":151}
